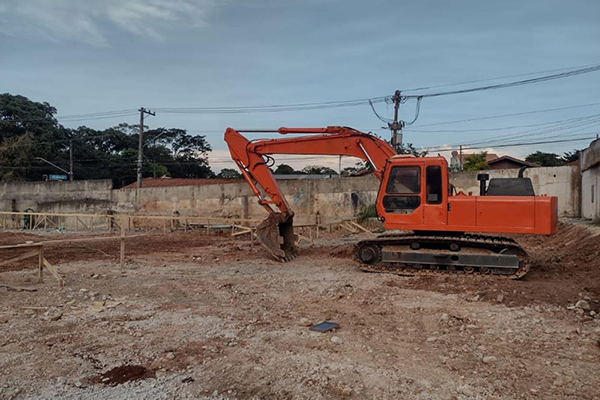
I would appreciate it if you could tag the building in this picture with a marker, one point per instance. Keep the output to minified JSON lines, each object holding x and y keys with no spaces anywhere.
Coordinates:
{"x":590,"y":178}
{"x":508,"y":162}
{"x":492,"y":160}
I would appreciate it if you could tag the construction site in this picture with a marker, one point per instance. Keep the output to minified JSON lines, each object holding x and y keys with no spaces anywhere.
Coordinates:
{"x":126,"y":305}
{"x":299,"y":200}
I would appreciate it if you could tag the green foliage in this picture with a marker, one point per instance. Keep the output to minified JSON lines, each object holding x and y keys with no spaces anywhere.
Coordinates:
{"x":409,"y":148}
{"x":476,"y":162}
{"x":229,"y":173}
{"x":29,"y":129}
{"x":284,"y":169}
{"x":369,"y":211}
{"x":545,"y":159}
{"x":570,"y":156}
{"x":318,"y":170}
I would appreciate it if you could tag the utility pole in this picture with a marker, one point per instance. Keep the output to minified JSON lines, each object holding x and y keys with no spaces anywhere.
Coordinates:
{"x":71,"y":160}
{"x":396,"y":126}
{"x":142,"y":111}
{"x":340,"y":168}
{"x":460,"y":166}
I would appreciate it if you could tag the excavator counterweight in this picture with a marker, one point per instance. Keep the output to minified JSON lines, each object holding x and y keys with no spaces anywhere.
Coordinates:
{"x":442,"y":230}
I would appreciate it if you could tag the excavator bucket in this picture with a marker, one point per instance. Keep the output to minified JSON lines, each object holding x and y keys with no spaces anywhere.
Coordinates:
{"x":276,"y":234}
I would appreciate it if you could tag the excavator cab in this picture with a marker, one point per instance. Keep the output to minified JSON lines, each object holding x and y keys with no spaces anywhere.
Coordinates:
{"x":414,"y":191}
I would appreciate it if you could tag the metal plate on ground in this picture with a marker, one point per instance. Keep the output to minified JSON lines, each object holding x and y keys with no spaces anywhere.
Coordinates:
{"x":324,"y":326}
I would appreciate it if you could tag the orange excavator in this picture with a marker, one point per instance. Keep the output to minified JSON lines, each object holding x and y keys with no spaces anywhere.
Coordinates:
{"x":441,"y":231}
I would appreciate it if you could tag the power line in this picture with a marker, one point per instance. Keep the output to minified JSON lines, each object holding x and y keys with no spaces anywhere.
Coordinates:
{"x":522,"y":144}
{"x":545,"y":78}
{"x":496,"y":78}
{"x":502,"y":128}
{"x":510,"y":115}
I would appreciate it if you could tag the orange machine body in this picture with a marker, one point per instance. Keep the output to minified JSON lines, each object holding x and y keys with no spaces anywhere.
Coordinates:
{"x":415,"y":195}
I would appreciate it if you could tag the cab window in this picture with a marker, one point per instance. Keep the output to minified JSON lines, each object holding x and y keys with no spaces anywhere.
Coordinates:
{"x":433,"y":183}
{"x":403,"y":190}
{"x":404,"y":180}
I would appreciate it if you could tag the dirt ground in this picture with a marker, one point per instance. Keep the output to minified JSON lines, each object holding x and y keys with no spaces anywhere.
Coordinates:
{"x":193,"y":316}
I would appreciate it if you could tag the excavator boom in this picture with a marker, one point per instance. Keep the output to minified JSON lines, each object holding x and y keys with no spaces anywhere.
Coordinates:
{"x":276,"y":232}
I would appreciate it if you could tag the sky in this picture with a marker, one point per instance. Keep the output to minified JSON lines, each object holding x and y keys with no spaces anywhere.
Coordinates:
{"x":86,"y":56}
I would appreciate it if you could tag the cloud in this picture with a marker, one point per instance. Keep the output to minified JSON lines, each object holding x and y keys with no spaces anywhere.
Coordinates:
{"x":89,"y":21}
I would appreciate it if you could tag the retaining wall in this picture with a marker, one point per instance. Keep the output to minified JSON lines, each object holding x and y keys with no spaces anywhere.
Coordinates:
{"x":331,"y":199}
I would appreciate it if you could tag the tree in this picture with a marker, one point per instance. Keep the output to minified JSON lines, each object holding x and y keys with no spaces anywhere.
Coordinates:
{"x":318,"y":170}
{"x":545,"y":159}
{"x":29,"y":130}
{"x":476,"y":162}
{"x":229,"y":173}
{"x":284,"y":169}
{"x":409,"y":148}
{"x":571,"y":156}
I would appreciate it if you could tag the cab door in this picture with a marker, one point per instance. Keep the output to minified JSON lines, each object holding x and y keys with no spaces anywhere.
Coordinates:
{"x":435,"y":209}
{"x":400,"y":199}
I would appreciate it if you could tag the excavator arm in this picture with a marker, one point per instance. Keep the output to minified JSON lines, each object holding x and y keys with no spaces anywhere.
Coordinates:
{"x":276,"y":232}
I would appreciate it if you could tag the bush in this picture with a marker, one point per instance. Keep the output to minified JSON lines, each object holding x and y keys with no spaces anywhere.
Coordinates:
{"x":367,"y":212}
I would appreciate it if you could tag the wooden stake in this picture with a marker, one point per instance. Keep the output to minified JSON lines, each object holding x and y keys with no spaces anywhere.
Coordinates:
{"x":41,"y":264}
{"x":122,"y":246}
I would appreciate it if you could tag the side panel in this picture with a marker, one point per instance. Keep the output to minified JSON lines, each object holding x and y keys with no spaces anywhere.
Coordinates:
{"x":462,"y":211}
{"x":546,"y":214}
{"x":505,"y":211}
{"x":494,"y":214}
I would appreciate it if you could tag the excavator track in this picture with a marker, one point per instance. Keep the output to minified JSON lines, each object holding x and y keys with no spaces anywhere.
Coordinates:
{"x":435,"y":253}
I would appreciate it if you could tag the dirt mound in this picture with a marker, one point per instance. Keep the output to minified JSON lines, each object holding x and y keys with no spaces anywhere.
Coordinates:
{"x":564,"y":268}
{"x":124,"y":373}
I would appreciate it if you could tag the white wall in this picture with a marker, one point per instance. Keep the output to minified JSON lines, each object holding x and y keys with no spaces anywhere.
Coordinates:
{"x":590,"y":204}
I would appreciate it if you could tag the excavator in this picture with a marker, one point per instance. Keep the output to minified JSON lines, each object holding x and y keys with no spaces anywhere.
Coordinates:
{"x":432,"y":229}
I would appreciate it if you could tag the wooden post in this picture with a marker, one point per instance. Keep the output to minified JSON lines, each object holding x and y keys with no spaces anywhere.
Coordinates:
{"x":165,"y":226}
{"x":92,"y":224}
{"x":41,"y":264}
{"x":208,"y":227}
{"x":122,"y":258}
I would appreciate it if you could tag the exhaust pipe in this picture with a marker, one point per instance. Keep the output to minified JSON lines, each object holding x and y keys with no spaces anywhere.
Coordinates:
{"x":276,"y":234}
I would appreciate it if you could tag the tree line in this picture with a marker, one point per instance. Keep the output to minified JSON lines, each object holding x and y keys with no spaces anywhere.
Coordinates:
{"x":30,"y":134}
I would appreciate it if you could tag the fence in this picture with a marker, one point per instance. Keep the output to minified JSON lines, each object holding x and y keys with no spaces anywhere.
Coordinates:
{"x":73,"y":222}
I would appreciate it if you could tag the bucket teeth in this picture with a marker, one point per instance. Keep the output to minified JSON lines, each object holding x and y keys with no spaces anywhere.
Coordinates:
{"x":276,"y":234}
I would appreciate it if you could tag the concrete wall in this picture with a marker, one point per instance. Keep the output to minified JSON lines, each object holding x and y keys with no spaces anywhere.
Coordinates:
{"x":332,"y":199}
{"x":590,"y":204}
{"x":590,"y":178}
{"x":77,"y":196}
{"x":562,"y":182}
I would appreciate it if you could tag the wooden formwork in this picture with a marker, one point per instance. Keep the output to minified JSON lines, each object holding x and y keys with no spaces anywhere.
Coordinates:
{"x":80,"y":222}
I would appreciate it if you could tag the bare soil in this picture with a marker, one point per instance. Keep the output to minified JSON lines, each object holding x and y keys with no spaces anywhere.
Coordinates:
{"x":193,"y":316}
